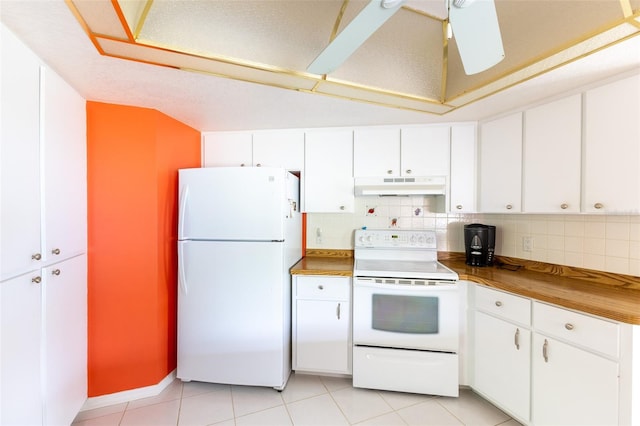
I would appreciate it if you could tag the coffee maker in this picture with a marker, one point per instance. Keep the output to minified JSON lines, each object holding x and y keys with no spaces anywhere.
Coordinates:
{"x":479,"y":244}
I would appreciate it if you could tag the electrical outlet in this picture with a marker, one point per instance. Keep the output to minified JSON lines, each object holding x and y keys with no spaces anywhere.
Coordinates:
{"x":527,"y":243}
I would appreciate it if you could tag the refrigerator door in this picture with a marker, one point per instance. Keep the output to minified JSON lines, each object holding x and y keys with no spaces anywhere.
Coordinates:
{"x":234,"y":313}
{"x":235,"y":203}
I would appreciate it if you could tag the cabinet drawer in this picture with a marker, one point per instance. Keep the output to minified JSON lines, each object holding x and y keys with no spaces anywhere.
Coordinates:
{"x":323,"y":288}
{"x":593,"y":333}
{"x":504,"y":305}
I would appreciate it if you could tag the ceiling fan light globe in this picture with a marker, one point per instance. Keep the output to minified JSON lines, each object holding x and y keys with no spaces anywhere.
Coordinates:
{"x":388,"y":4}
{"x":462,"y":3}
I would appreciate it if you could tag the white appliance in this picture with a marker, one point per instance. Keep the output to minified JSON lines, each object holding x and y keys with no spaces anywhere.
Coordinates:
{"x":239,"y":233}
{"x":405,"y":314}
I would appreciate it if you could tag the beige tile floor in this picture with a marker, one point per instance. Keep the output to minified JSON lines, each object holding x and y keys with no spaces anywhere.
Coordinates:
{"x":307,"y":400}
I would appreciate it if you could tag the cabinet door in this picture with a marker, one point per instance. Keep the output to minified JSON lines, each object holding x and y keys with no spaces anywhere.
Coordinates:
{"x":65,"y":174}
{"x":552,"y":157}
{"x":462,"y":197}
{"x":501,"y":165}
{"x":20,"y":160}
{"x":424,"y":151}
{"x":376,"y":152}
{"x":322,"y":335}
{"x":20,"y":373}
{"x":502,"y":360}
{"x":572,"y":386}
{"x":281,"y":148}
{"x":65,"y":339}
{"x":232,"y":149}
{"x":328,"y":178}
{"x":612,"y":151}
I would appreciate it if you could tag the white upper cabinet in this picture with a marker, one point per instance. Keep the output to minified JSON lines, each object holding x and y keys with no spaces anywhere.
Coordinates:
{"x":231,"y":149}
{"x":328,"y":171}
{"x":65,"y":174}
{"x":612,"y":148}
{"x":425,"y":151}
{"x":462,"y":194}
{"x":411,"y":151}
{"x":279,"y":148}
{"x":501,"y":165}
{"x":376,"y":152}
{"x":20,"y":164}
{"x":269,"y":148}
{"x":552,"y":157}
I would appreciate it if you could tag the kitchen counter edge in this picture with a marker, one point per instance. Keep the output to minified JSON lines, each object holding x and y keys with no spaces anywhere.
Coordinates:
{"x":612,"y":296}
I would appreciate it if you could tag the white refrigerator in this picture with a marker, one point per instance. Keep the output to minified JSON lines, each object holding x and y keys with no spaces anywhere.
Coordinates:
{"x":239,"y":233}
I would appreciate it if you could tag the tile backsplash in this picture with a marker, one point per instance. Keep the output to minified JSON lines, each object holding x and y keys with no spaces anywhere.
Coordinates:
{"x":608,"y":243}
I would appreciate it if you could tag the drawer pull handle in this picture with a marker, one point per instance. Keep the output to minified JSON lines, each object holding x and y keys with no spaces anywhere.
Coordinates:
{"x":321,"y":287}
{"x":545,"y":355}
{"x":516,"y":339}
{"x":498,"y":303}
{"x":568,"y":326}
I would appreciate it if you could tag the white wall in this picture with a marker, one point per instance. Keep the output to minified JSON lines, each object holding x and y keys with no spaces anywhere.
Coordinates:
{"x":605,"y":243}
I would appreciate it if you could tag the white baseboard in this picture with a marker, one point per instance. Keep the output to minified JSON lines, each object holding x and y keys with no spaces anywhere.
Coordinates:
{"x":129,"y":395}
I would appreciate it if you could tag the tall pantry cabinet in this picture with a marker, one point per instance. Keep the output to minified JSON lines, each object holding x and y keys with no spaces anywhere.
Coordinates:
{"x":43,"y":267}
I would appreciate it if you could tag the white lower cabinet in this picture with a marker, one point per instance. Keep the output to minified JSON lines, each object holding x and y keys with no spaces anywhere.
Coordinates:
{"x":502,"y":355}
{"x":322,"y":324}
{"x":44,"y":345}
{"x":574,"y":368}
{"x":572,"y":386}
{"x":567,"y":368}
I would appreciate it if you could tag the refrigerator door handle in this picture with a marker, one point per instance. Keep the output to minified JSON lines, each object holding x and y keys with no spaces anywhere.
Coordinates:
{"x":182,"y":279}
{"x":184,"y":195}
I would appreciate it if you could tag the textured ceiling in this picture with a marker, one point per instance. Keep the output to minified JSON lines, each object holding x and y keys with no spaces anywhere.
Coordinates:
{"x":407,"y":63}
{"x":208,"y":102}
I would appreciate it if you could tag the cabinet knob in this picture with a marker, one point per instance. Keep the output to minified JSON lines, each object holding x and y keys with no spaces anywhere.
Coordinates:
{"x":341,"y":207}
{"x":258,"y":165}
{"x":408,"y":171}
{"x":321,"y":287}
{"x":36,"y":280}
{"x":389,"y":172}
{"x":55,"y":251}
{"x":459,"y":207}
{"x":568,"y":326}
{"x":564,"y":206}
{"x":55,"y":272}
{"x":498,"y":303}
{"x":36,"y":256}
{"x":242,"y":165}
{"x":509,"y":206}
{"x":598,"y":206}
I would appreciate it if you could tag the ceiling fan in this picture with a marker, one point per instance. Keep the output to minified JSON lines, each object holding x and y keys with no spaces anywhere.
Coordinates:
{"x":474,"y":24}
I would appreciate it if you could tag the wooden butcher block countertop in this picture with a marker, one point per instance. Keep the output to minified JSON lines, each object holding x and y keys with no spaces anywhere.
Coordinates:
{"x":608,"y":295}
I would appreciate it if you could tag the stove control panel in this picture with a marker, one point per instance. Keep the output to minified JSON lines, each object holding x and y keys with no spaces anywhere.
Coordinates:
{"x":395,"y":238}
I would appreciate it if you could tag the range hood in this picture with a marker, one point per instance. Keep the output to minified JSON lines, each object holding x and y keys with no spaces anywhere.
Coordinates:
{"x":401,"y":185}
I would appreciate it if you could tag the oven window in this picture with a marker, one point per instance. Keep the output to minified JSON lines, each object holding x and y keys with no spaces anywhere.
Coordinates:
{"x":405,"y":314}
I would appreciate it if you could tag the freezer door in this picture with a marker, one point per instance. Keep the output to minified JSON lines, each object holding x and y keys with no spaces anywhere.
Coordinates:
{"x":233,"y":313}
{"x":235,"y":203}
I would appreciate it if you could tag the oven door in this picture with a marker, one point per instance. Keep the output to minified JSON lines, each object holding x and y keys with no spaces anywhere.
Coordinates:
{"x":387,"y":313}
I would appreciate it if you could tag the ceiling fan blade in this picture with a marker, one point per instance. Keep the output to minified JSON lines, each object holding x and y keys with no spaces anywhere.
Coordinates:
{"x":477,"y":33}
{"x":353,"y":35}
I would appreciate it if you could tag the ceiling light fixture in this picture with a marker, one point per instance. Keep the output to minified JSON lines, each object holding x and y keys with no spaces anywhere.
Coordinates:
{"x":388,"y":4}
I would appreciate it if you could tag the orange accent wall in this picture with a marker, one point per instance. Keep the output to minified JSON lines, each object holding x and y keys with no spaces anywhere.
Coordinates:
{"x":133,"y":155}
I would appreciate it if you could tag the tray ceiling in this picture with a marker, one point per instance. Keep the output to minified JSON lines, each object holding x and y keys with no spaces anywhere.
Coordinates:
{"x":408,"y":63}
